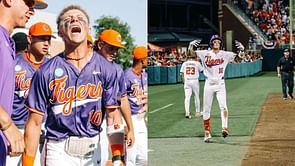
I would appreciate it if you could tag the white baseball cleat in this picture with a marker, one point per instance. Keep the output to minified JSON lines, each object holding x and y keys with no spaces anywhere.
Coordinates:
{"x":198,"y":114}
{"x":224,"y":132}
{"x":188,"y":116}
{"x":207,"y":136}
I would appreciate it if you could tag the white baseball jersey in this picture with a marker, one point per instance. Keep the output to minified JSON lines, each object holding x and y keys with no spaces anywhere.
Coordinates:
{"x":215,"y":64}
{"x":190,"y":70}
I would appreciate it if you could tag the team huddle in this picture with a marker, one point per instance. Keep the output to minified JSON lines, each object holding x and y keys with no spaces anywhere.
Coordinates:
{"x":77,"y":106}
{"x":212,"y":63}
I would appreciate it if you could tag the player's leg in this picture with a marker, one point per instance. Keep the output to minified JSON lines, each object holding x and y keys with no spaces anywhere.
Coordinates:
{"x":221,"y":98}
{"x":207,"y":104}
{"x":187,"y":95}
{"x":284,"y":85}
{"x":104,"y":144}
{"x":197,"y":98}
{"x":290,"y":85}
{"x":142,"y":156}
{"x":132,"y":151}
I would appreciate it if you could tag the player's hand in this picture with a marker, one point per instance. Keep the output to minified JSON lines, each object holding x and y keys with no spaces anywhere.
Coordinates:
{"x":279,"y":75}
{"x":194,"y":43}
{"x":239,"y":45}
{"x":15,"y":140}
{"x":130,"y":138}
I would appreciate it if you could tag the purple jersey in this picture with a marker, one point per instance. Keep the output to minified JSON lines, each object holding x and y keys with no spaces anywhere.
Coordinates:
{"x":136,"y":87}
{"x":7,"y":76}
{"x":73,"y":100}
{"x":24,"y":72}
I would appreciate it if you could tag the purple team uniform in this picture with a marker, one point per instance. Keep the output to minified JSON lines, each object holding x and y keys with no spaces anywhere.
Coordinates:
{"x":7,"y":78}
{"x":73,"y":100}
{"x":135,"y":83}
{"x":24,"y":72}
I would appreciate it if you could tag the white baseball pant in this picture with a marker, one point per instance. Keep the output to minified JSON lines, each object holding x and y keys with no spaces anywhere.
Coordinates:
{"x":210,"y":89}
{"x":137,"y":154}
{"x":54,"y":153}
{"x":189,"y":87}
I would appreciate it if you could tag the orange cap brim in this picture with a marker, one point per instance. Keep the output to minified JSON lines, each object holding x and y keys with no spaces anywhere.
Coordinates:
{"x":40,"y":4}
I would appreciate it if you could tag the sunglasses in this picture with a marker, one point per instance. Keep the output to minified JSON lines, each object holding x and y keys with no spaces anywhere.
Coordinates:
{"x":110,"y":48}
{"x":30,"y":3}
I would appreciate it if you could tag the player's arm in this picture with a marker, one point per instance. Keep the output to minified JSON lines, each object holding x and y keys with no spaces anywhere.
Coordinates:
{"x":11,"y":132}
{"x":32,"y":136}
{"x":126,"y":113}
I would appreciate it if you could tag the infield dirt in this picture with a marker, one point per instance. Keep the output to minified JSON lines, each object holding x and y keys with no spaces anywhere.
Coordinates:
{"x":273,"y":142}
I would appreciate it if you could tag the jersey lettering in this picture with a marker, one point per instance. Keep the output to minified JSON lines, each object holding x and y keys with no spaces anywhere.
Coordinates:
{"x":190,"y":70}
{"x":212,"y":62}
{"x":95,"y":117}
{"x":68,"y":95}
{"x":21,"y":82}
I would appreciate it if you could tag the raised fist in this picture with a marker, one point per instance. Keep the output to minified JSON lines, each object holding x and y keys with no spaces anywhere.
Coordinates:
{"x":239,"y":45}
{"x":194,"y":43}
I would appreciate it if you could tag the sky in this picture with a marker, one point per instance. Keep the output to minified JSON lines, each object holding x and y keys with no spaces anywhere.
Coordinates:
{"x":133,"y":12}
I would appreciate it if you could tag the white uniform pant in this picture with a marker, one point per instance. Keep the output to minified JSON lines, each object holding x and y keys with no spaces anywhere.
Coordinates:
{"x":17,"y":161}
{"x":210,"y":89}
{"x":54,"y":154}
{"x":189,"y":87}
{"x":104,"y":143}
{"x":137,"y":154}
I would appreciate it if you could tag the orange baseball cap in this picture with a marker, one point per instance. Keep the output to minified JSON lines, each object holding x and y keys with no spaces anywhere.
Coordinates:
{"x":140,"y":52}
{"x":40,"y":4}
{"x":89,"y":39}
{"x":40,"y":29}
{"x":111,"y":37}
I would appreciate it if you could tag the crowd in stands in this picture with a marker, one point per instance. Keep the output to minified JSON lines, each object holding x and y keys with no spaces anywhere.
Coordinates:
{"x":271,"y":16}
{"x":171,"y":57}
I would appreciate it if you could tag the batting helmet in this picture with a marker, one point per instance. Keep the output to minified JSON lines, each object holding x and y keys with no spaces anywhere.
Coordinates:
{"x":215,"y":37}
{"x":111,"y":37}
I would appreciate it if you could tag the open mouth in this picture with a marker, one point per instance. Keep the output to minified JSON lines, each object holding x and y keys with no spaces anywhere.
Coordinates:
{"x":76,"y":29}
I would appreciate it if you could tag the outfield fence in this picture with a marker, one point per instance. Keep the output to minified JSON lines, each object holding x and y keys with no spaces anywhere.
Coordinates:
{"x":171,"y":74}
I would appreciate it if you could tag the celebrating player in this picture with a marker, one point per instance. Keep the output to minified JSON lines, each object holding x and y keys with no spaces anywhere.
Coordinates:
{"x":136,"y":81}
{"x":107,"y":45}
{"x":72,"y":88}
{"x":214,"y":62}
{"x":27,"y":63}
{"x":189,"y":73}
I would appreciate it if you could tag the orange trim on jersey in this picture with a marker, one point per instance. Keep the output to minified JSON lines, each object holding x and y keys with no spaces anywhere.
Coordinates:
{"x":36,"y":65}
{"x":36,"y":111}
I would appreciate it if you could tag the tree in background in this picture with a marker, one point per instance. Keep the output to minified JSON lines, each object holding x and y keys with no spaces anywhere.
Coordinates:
{"x":108,"y":22}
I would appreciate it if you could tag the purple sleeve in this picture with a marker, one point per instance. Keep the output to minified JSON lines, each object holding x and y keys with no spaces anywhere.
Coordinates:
{"x":37,"y":99}
{"x":111,"y":89}
{"x":122,"y":85}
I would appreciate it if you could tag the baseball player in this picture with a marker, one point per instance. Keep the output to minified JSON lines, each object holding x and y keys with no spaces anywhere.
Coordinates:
{"x":189,"y":73}
{"x":136,"y":81}
{"x":72,"y":88}
{"x":214,"y":62}
{"x":108,"y":43}
{"x":13,"y":14}
{"x":27,"y":63}
{"x":285,"y":69}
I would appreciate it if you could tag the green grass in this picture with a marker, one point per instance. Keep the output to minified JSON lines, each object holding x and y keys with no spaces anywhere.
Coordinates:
{"x":245,"y":96}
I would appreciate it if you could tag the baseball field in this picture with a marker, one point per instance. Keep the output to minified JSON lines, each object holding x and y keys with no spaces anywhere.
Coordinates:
{"x":175,"y":141}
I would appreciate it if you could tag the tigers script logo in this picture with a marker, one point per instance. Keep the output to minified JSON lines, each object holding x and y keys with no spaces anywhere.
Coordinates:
{"x":66,"y":95}
{"x":22,"y":83}
{"x":213,"y":62}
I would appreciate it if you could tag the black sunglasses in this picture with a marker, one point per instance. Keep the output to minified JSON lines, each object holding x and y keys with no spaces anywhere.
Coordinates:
{"x":30,"y":3}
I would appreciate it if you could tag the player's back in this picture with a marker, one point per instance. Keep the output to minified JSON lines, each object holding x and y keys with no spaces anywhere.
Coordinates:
{"x":190,"y":70}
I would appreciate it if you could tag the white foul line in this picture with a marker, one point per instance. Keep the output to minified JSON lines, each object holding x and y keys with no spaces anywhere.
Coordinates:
{"x":156,"y":110}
